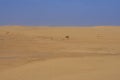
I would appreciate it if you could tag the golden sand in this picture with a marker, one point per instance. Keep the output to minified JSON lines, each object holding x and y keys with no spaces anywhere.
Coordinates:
{"x":44,"y":53}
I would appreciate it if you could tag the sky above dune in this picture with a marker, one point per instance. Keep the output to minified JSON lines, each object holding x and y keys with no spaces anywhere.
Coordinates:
{"x":60,"y":12}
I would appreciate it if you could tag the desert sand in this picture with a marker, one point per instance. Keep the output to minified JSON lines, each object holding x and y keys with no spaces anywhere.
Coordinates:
{"x":44,"y":53}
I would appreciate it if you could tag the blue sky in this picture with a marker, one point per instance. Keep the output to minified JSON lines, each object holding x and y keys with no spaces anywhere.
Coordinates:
{"x":60,"y":12}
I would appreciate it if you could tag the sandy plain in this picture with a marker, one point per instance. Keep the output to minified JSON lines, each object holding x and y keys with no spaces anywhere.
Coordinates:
{"x":43,"y":53}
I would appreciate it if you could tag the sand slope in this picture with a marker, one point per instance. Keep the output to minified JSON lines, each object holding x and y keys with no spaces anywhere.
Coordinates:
{"x":85,"y":68}
{"x":35,"y":53}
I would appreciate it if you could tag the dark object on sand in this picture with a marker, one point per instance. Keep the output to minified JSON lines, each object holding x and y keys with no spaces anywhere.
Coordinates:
{"x":67,"y":37}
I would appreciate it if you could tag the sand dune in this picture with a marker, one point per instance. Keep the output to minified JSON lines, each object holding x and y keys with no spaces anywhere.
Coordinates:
{"x":91,"y":53}
{"x":85,"y":68}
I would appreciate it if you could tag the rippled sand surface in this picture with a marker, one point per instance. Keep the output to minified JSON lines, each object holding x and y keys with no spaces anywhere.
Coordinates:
{"x":44,"y":53}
